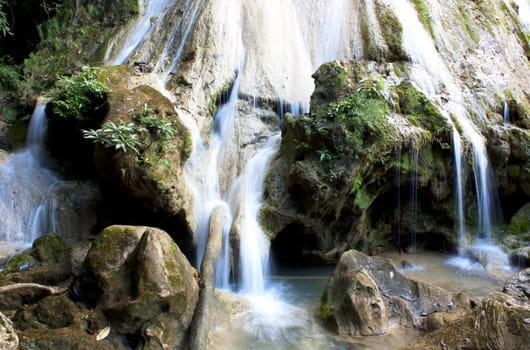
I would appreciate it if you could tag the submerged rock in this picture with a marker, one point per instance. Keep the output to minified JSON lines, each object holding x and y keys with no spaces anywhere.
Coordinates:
{"x":365,"y":293}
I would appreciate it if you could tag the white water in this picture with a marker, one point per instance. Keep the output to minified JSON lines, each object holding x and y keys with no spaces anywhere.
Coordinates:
{"x":413,"y":198}
{"x":457,"y":151}
{"x":27,"y":202}
{"x":329,"y":39}
{"x":505,"y":113}
{"x":152,"y":14}
{"x":524,"y":13}
{"x":435,"y":79}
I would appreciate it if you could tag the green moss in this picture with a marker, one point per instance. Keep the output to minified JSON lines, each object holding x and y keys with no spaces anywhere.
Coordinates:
{"x":16,"y":136}
{"x":424,"y":15}
{"x":520,"y":222}
{"x":463,"y":15}
{"x":392,"y":31}
{"x":421,"y":112}
{"x":364,"y":199}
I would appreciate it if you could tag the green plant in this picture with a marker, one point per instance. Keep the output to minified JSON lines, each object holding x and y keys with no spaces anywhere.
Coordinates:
{"x":149,"y":130}
{"x":359,"y":119}
{"x":423,"y":13}
{"x":122,"y":137}
{"x":5,"y":28}
{"x":82,"y":97}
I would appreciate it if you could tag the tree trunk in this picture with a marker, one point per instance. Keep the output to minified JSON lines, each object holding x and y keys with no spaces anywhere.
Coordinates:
{"x":200,"y":325}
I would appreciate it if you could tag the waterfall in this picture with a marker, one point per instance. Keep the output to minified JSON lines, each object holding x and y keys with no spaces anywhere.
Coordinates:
{"x":27,"y":202}
{"x":524,"y":13}
{"x":457,"y":149}
{"x":505,"y":113}
{"x":254,"y":245}
{"x":330,"y":32}
{"x":152,"y":14}
{"x":429,"y":71}
{"x":397,"y":216}
{"x":413,"y":198}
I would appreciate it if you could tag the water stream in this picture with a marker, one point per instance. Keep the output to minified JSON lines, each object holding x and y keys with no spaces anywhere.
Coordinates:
{"x":27,"y":188}
{"x":434,"y":78}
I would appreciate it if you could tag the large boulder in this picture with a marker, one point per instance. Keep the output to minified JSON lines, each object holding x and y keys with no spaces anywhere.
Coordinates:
{"x":365,"y":293}
{"x":142,"y":283}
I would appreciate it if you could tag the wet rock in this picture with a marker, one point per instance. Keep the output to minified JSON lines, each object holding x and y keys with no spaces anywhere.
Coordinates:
{"x":8,"y":337}
{"x":142,"y":282}
{"x":356,"y":303}
{"x":364,"y":290}
{"x":499,"y":322}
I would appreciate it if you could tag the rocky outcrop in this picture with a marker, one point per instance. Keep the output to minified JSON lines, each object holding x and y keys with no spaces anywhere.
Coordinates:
{"x":501,"y":321}
{"x":337,"y":177}
{"x":365,"y":293}
{"x":517,"y":236}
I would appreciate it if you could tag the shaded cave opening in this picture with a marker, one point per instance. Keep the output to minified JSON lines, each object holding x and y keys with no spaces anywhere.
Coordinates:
{"x":295,"y":246}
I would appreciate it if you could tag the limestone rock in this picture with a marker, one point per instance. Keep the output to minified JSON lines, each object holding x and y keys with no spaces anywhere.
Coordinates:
{"x":8,"y":337}
{"x":142,"y":282}
{"x":359,"y":306}
{"x":365,"y":293}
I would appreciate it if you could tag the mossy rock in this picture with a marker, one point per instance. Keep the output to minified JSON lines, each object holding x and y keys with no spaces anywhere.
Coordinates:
{"x":520,"y":222}
{"x":16,"y":136}
{"x":47,"y":262}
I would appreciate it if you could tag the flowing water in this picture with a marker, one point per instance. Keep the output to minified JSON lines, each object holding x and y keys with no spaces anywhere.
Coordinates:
{"x":434,"y":78}
{"x":27,"y":188}
{"x":413,"y":198}
{"x":457,"y":151}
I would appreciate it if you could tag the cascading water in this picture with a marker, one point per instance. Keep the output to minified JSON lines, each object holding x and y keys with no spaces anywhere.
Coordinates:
{"x":397,"y":215}
{"x":505,"y":113}
{"x":329,"y":39}
{"x":153,"y":12}
{"x":27,"y":201}
{"x":429,"y":71}
{"x":457,"y":149}
{"x":413,"y":198}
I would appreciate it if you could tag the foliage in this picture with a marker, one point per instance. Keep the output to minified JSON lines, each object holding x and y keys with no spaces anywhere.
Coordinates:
{"x":148,"y":129}
{"x":82,"y":97}
{"x":121,"y":136}
{"x":359,"y":119}
{"x":9,"y":76}
{"x":5,"y":28}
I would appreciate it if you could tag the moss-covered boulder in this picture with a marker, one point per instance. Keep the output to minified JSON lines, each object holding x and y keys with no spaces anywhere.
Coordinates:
{"x":139,"y":279}
{"x":335,"y":182}
{"x":47,"y":262}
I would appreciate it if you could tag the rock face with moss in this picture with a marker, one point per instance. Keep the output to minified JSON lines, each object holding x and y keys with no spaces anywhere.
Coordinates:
{"x":334,"y":183}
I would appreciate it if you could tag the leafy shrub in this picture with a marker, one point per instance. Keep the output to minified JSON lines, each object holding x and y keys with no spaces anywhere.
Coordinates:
{"x":148,"y":129}
{"x":359,"y":119}
{"x":82,"y":98}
